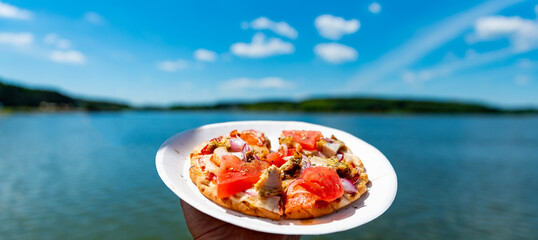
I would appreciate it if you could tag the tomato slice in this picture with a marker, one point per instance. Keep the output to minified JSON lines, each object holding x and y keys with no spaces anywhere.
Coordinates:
{"x":236,"y":176}
{"x":323,"y":182}
{"x":298,"y":197}
{"x":307,"y":139}
{"x":205,"y":151}
{"x":275,"y":158}
{"x":234,"y":133}
{"x":291,"y":151}
{"x":253,"y":137}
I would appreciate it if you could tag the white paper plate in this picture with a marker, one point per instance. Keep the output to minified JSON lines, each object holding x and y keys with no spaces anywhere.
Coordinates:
{"x":173,"y":166}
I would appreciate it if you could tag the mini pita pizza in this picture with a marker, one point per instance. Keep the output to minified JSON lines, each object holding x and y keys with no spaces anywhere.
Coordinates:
{"x":308,"y":176}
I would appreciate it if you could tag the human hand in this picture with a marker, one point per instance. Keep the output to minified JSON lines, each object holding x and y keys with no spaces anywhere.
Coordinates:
{"x":204,"y":227}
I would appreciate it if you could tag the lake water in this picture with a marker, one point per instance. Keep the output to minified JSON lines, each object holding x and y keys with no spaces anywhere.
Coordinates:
{"x":92,"y":176}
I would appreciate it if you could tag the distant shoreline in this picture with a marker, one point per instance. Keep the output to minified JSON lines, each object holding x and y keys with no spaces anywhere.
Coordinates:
{"x":37,"y":111}
{"x":15,"y":98}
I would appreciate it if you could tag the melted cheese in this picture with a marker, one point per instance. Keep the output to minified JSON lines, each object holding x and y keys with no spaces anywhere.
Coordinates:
{"x":349,"y":157}
{"x":269,"y":203}
{"x":318,"y":161}
{"x":210,"y":166}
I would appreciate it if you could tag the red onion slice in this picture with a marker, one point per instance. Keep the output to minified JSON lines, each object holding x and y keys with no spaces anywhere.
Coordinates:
{"x":236,"y":144}
{"x":306,"y":163}
{"x":251,"y":192}
{"x":246,"y":147}
{"x":340,"y":157}
{"x":348,"y":186}
{"x":321,"y":155}
{"x":295,"y":182}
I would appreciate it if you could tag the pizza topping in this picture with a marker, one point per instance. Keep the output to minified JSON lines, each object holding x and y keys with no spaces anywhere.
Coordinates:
{"x":221,"y":151}
{"x":253,"y":137}
{"x":298,"y":197}
{"x":345,"y":170}
{"x":307,"y":171}
{"x":210,"y":176}
{"x":236,"y":176}
{"x":292,"y":151}
{"x":286,"y":140}
{"x":251,"y":195}
{"x":270,"y":183}
{"x":250,"y":156}
{"x":329,"y":147}
{"x":307,"y":139}
{"x":205,"y":162}
{"x":214,"y":144}
{"x":252,"y":192}
{"x":323,"y":182}
{"x":237,"y":144}
{"x":342,"y":168}
{"x":348,"y":186}
{"x":305,"y":162}
{"x":275,"y":158}
{"x":234,"y":133}
{"x":351,"y":158}
{"x":319,"y":161}
{"x":271,"y":203}
{"x":283,"y":148}
{"x":292,"y":167}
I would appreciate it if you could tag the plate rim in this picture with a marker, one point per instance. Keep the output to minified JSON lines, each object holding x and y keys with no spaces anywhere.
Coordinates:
{"x":305,"y":229}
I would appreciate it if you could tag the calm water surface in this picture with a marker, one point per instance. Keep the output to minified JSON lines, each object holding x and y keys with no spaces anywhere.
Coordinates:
{"x":92,"y":176}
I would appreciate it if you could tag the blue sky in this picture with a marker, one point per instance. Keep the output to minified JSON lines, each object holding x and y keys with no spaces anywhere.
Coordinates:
{"x":167,"y":52}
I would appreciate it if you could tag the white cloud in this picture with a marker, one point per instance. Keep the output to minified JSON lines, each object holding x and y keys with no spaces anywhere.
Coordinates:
{"x":280,"y":28}
{"x":374,"y":7}
{"x":334,"y":28}
{"x":69,"y":56}
{"x":93,"y":17}
{"x":249,"y":83}
{"x":10,"y":11}
{"x":523,"y":33}
{"x":56,"y":41}
{"x":428,"y":39}
{"x":16,"y":39}
{"x":261,"y":47}
{"x":205,"y":55}
{"x":172,"y":66}
{"x":335,"y":53}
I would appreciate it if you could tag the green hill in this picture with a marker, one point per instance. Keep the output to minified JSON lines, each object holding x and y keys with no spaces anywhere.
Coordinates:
{"x":391,"y":106}
{"x":14,"y":96}
{"x":361,"y":105}
{"x":21,"y":98}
